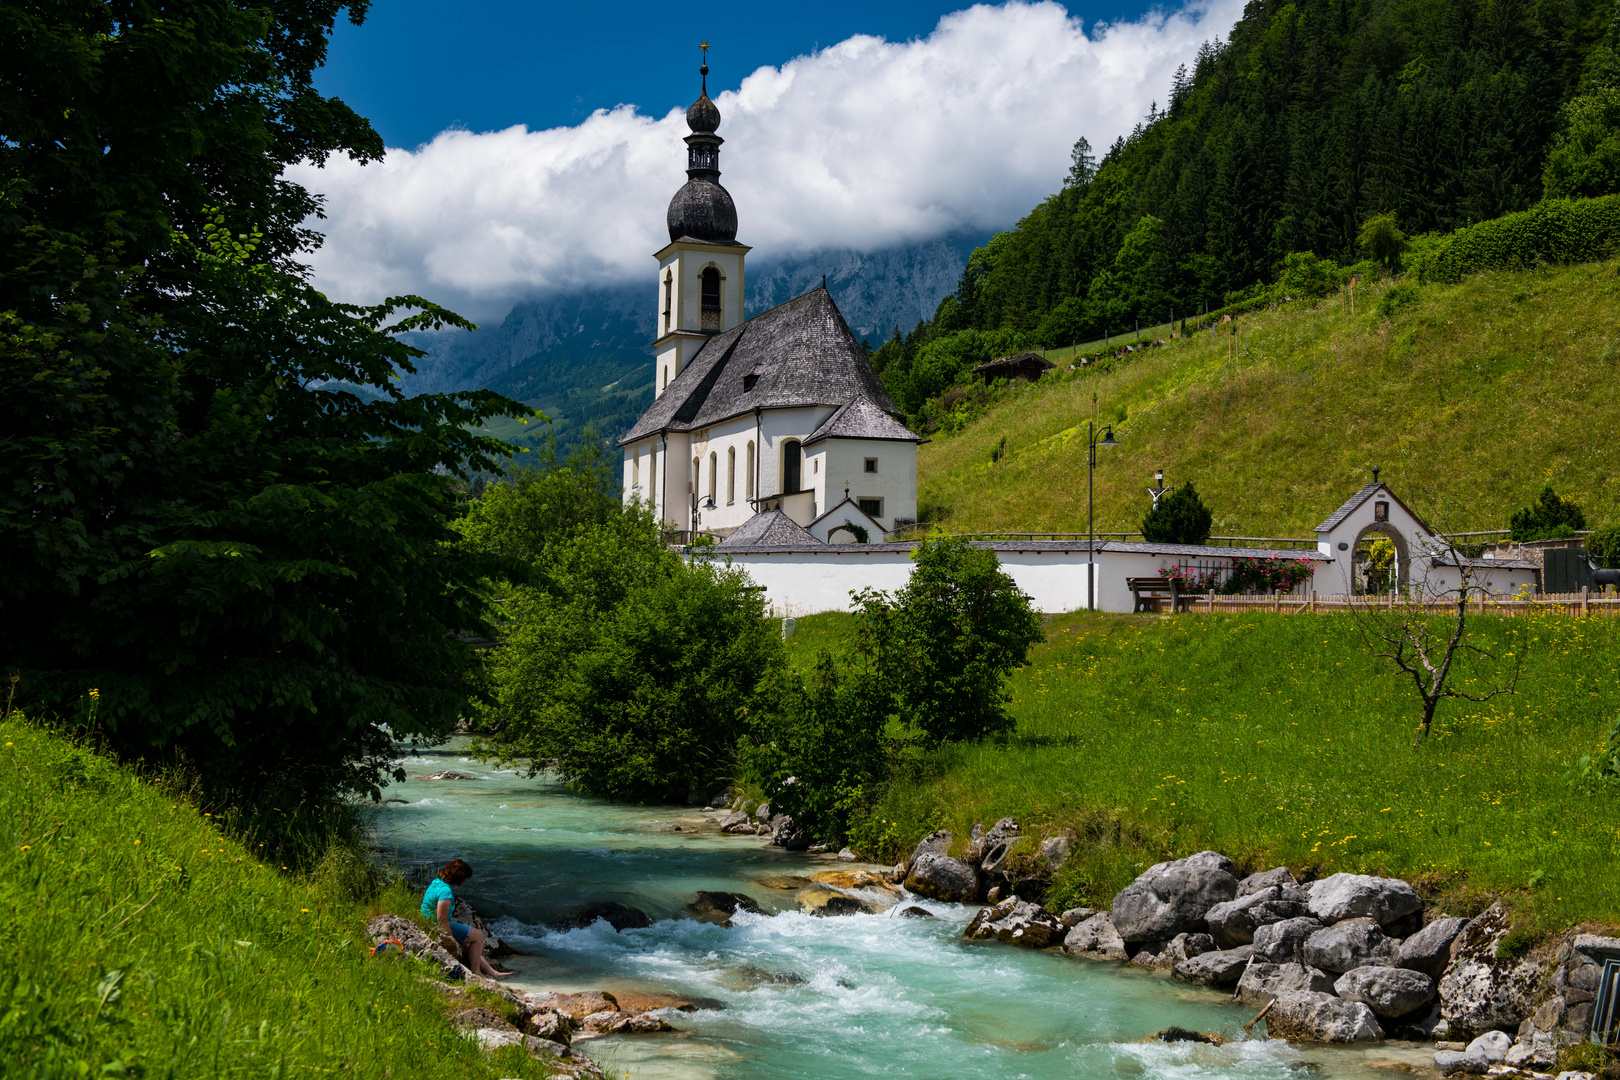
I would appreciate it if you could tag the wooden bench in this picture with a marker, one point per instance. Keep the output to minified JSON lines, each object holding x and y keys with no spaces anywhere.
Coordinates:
{"x":1148,"y":591}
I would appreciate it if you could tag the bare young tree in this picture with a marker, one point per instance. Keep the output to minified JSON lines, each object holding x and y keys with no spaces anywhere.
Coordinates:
{"x":1424,"y":632}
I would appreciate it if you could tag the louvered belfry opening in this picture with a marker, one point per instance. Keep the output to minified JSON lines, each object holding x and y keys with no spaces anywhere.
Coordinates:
{"x":711,"y":298}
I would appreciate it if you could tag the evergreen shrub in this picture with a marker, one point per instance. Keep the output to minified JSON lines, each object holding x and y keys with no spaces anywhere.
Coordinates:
{"x":1549,"y":517}
{"x":1554,"y":231}
{"x":1179,"y":517}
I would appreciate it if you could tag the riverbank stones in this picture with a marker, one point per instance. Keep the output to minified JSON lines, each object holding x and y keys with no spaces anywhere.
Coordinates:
{"x":1349,"y":944}
{"x":1304,"y":1016}
{"x":940,"y":877}
{"x":1220,"y":968}
{"x":1429,"y":950}
{"x":1235,"y":922}
{"x":1017,"y":922}
{"x":1388,"y":991}
{"x":1174,"y":897}
{"x":1262,"y":982}
{"x":1096,"y":939}
{"x":1284,"y":942}
{"x":1358,"y":896}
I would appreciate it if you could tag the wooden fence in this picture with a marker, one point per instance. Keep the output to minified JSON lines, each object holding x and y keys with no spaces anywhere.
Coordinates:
{"x":1583,"y":603}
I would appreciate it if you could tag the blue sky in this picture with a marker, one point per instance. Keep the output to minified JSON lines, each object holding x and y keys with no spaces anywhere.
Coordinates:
{"x":417,"y":67}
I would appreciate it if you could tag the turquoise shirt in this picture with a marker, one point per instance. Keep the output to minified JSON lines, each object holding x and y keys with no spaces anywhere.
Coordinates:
{"x":439,"y":890}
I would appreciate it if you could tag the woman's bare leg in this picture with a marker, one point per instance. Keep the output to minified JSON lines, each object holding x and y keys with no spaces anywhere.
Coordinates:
{"x":475,"y":951}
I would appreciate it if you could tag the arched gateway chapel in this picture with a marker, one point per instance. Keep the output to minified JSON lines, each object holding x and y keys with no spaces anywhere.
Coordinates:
{"x":780,"y":414}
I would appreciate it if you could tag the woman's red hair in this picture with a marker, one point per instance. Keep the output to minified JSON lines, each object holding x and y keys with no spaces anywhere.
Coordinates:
{"x":455,"y":872}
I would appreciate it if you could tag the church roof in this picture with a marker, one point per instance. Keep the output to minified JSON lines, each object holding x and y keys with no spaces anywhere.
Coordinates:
{"x":770,"y":529}
{"x":796,"y":354}
{"x":861,"y":419}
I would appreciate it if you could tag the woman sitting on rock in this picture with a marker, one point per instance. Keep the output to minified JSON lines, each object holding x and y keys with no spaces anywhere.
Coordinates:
{"x":438,"y":901}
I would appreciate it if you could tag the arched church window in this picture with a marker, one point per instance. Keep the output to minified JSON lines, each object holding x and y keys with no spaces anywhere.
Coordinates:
{"x":748,"y":475}
{"x":697,"y":475}
{"x":669,"y":303}
{"x":731,"y":475}
{"x":714,"y":476}
{"x":792,"y":467}
{"x":711,"y":297}
{"x":652,"y":476}
{"x":635,"y":466}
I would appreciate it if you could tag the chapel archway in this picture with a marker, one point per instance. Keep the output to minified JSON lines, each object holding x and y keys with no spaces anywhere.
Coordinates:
{"x":1369,"y":573}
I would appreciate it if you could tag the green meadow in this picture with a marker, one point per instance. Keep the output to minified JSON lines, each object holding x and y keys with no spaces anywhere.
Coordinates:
{"x":1278,"y":739}
{"x":145,"y":941}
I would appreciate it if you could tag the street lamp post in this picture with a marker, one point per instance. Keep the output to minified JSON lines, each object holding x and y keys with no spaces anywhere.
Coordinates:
{"x":1092,"y":442}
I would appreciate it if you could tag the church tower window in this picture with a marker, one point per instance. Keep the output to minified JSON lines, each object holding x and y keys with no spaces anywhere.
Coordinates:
{"x":792,"y":467}
{"x":711,"y":298}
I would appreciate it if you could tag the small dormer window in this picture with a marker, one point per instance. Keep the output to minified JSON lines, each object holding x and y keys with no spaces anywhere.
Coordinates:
{"x":710,"y":279}
{"x":749,"y":380}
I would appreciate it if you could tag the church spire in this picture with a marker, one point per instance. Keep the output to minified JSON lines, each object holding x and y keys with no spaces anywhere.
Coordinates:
{"x":702,"y":210}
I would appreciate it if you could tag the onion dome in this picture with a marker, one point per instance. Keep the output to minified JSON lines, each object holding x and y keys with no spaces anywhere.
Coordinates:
{"x":702,"y":209}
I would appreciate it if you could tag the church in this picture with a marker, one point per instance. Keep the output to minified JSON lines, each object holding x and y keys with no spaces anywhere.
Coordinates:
{"x":778,"y":415}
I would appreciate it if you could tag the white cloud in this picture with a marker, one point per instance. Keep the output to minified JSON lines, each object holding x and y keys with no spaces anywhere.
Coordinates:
{"x":863,"y":145}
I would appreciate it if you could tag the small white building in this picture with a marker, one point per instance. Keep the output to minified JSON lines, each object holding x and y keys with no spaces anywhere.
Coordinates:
{"x":779,"y":412}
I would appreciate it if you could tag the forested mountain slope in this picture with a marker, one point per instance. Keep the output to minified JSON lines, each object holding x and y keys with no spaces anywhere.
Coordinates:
{"x":1471,"y":396}
{"x":1313,"y":117}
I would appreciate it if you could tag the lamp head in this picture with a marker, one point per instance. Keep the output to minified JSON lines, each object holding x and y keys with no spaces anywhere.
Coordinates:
{"x":1108,"y":437}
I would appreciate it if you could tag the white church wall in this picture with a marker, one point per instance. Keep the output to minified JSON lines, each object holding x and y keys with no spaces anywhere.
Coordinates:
{"x":894,"y":483}
{"x":728,"y":442}
{"x":777,"y":428}
{"x":1495,"y":580}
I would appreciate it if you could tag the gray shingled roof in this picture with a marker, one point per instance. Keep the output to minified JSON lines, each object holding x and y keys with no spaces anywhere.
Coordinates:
{"x":861,"y":419}
{"x":770,"y":529}
{"x":1076,"y":547}
{"x":1349,"y":507}
{"x":802,"y":353}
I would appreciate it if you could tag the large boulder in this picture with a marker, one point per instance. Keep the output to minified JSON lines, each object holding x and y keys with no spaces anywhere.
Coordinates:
{"x":736,"y":823}
{"x":1095,"y":939}
{"x":941,"y":877}
{"x":1494,"y":1045}
{"x":1480,"y":992}
{"x":1174,"y":897}
{"x":1017,"y":922}
{"x":789,"y":834}
{"x":1429,"y":950}
{"x":719,"y":907}
{"x":1304,"y":1016}
{"x":617,"y":915}
{"x":935,"y":843}
{"x":1221,"y":968}
{"x":1284,"y":942}
{"x":989,"y":850}
{"x":1388,"y":991}
{"x":1186,"y":946}
{"x":417,"y":944}
{"x":1261,"y":982}
{"x":1349,"y":944}
{"x":1453,"y":1062}
{"x":1265,"y":879}
{"x":1233,"y":923}
{"x":1358,"y":896}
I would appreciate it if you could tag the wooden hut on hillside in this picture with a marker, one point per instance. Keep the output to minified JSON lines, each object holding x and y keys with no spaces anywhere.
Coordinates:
{"x":1028,"y":366}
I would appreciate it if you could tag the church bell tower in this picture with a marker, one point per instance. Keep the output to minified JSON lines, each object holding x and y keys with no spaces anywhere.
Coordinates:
{"x":700,"y":272}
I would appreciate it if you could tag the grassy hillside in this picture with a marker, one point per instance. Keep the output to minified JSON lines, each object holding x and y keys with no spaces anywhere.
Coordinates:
{"x":1277,"y":739}
{"x":1471,"y":397}
{"x":143,"y":941}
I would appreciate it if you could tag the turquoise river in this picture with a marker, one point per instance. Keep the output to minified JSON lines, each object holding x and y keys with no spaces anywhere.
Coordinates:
{"x":800,"y":997}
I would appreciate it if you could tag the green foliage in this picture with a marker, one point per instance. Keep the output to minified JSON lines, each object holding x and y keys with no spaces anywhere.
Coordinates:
{"x":531,"y":509}
{"x":1278,"y":574}
{"x":820,"y":748}
{"x":1179,"y":517}
{"x":1303,"y":274}
{"x":631,"y":667}
{"x":169,"y":939}
{"x":1560,"y":231}
{"x":1604,"y":542}
{"x":960,"y":627}
{"x":1279,"y":140}
{"x":1397,"y":298}
{"x":857,"y":531}
{"x":247,"y":560}
{"x":1549,"y":517}
{"x":1381,"y":239}
{"x":1584,"y":159}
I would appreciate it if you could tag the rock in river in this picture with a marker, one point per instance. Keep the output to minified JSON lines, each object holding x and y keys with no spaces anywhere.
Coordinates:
{"x":617,"y":915}
{"x":941,"y":877}
{"x":1429,"y":950}
{"x":1174,"y":897}
{"x":719,"y":907}
{"x":1303,"y":1016}
{"x":1220,"y":968}
{"x":1261,"y":982}
{"x":1349,"y":944}
{"x":1388,"y":991}
{"x":1095,"y":939}
{"x":1017,"y":922}
{"x":819,"y":900}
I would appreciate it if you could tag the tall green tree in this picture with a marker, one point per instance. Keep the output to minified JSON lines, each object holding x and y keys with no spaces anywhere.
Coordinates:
{"x":252,"y":566}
